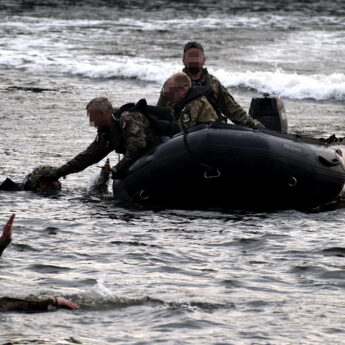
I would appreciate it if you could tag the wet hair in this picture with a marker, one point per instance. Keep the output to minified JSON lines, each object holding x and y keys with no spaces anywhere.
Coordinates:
{"x":100,"y":104}
{"x":180,"y":79}
{"x":193,"y":44}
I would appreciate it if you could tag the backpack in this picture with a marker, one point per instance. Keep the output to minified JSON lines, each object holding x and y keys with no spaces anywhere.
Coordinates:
{"x":160,"y":117}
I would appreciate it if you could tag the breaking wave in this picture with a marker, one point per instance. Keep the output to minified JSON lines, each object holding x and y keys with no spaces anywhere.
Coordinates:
{"x":279,"y":82}
{"x":290,"y":85}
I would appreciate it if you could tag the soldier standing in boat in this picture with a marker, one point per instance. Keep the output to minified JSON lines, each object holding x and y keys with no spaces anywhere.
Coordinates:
{"x":219,"y":97}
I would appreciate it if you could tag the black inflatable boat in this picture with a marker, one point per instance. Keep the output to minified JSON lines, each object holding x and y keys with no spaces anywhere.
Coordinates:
{"x":228,"y":166}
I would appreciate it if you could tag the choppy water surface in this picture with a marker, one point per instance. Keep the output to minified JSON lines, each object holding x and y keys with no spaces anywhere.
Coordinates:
{"x":165,"y":276}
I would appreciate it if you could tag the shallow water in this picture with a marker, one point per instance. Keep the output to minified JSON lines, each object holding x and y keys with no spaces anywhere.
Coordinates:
{"x":169,"y":276}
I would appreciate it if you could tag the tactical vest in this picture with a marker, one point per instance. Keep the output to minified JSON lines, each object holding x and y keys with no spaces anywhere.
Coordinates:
{"x":112,"y":136}
{"x":159,"y":117}
{"x":211,"y":97}
{"x":199,"y":91}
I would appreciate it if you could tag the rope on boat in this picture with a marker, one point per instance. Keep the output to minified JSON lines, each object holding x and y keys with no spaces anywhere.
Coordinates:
{"x":210,"y":171}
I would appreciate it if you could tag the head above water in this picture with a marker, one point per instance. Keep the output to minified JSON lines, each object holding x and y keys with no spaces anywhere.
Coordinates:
{"x":33,"y":180}
{"x":177,"y":87}
{"x":99,"y":110}
{"x":193,"y":59}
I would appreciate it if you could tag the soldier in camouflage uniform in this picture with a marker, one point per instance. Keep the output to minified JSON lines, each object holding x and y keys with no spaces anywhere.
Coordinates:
{"x":130,"y":133}
{"x":190,"y":106}
{"x":33,"y":181}
{"x":220,"y":98}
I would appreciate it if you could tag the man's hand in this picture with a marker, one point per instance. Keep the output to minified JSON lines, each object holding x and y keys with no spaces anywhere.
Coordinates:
{"x":7,"y":230}
{"x":6,"y":237}
{"x":50,"y":177}
{"x":62,"y":302}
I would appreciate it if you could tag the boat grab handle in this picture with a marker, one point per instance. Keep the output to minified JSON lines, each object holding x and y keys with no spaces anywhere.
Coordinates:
{"x":142,"y":195}
{"x":329,"y":162}
{"x":292,"y":181}
{"x":214,"y":173}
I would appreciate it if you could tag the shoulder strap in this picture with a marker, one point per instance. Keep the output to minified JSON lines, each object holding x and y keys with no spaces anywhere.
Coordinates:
{"x":193,"y":93}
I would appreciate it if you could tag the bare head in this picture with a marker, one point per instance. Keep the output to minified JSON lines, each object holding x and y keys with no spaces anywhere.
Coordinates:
{"x":177,"y":87}
{"x":99,"y":110}
{"x":193,"y":58}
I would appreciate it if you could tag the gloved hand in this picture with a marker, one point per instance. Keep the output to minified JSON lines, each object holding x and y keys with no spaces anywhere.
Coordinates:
{"x":50,"y":177}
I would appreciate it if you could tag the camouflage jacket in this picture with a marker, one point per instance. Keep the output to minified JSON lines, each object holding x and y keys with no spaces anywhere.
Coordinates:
{"x":222,"y":101}
{"x":26,"y":304}
{"x":197,"y":111}
{"x":131,"y":135}
{"x":138,"y":135}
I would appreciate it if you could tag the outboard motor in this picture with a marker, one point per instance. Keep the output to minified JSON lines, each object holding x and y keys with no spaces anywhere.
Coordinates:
{"x":270,"y":111}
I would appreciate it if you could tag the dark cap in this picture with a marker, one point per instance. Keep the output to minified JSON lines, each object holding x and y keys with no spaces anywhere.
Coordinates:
{"x":193,"y":44}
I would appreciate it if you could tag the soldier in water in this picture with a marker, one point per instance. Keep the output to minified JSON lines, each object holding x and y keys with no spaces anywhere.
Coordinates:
{"x":33,"y":181}
{"x":35,"y":304}
{"x":30,"y":304}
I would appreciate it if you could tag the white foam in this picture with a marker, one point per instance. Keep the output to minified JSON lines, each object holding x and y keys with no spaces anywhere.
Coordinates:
{"x":291,"y":85}
{"x":102,"y":289}
{"x":54,"y":50}
{"x":126,"y":67}
{"x":40,"y":61}
{"x":286,"y":84}
{"x":279,"y":82}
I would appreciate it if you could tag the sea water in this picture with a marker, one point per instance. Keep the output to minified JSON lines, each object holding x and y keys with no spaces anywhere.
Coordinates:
{"x":169,"y":276}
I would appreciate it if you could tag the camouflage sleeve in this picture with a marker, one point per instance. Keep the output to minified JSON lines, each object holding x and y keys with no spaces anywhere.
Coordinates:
{"x":230,"y":108}
{"x":133,"y":130}
{"x":93,"y":154}
{"x":26,"y":304}
{"x":197,"y":111}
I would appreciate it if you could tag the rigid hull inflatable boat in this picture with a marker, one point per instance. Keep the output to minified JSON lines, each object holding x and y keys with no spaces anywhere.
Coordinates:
{"x":229,"y":166}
